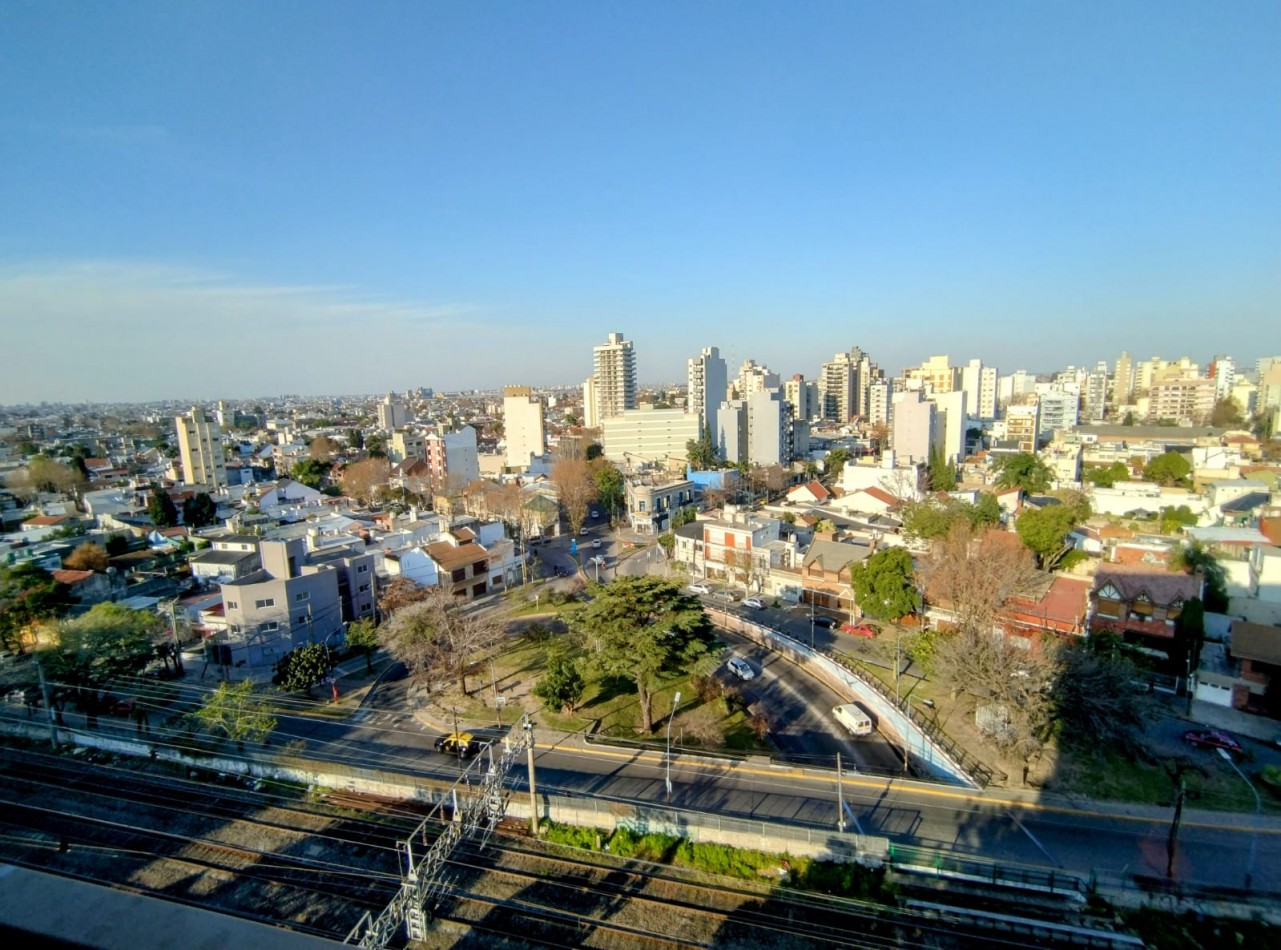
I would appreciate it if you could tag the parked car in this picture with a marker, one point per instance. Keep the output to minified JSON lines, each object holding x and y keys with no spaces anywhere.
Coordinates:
{"x":858,"y":629}
{"x":821,"y":621}
{"x":1212,"y":739}
{"x":122,"y":707}
{"x":595,"y":542}
{"x":740,"y":668}
{"x":595,"y":514}
{"x":753,"y":602}
{"x":725,"y":595}
{"x":699,"y":589}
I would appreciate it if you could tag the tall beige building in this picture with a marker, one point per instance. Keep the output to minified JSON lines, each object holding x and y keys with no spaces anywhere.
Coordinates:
{"x":522,"y":425}
{"x":1123,"y":380}
{"x":938,"y":373}
{"x":200,"y":449}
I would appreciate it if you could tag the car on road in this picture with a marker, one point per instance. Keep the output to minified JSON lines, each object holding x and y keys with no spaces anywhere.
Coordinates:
{"x":821,"y":621}
{"x":699,"y":589}
{"x":858,"y":629}
{"x":754,"y":603}
{"x":741,"y":668}
{"x":582,"y":531}
{"x":1212,"y":739}
{"x":462,"y":744}
{"x":595,"y":514}
{"x":725,"y":595}
{"x":595,"y":542}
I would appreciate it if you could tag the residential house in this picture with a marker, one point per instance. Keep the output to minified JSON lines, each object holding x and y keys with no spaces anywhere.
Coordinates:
{"x":653,"y":499}
{"x":736,"y":546}
{"x":1141,"y":604}
{"x":462,"y":564}
{"x":812,"y":492}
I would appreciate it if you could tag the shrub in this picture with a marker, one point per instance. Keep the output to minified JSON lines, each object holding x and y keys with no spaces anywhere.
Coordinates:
{"x":571,"y":836}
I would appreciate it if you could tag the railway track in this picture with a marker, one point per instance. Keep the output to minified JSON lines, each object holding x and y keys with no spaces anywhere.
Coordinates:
{"x":269,"y":854}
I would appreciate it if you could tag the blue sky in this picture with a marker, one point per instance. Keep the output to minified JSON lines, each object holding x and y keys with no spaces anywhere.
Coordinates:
{"x":230,"y":199}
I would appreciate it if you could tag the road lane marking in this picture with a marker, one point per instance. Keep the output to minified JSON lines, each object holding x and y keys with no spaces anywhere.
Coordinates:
{"x":792,"y":772}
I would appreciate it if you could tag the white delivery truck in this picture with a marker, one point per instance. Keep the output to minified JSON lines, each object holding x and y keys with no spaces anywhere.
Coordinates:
{"x":854,"y":718}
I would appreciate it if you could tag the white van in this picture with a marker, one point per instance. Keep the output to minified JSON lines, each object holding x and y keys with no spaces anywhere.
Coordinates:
{"x":854,"y":718}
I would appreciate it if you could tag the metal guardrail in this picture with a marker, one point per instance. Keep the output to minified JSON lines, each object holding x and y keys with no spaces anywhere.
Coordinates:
{"x":908,"y":857}
{"x":975,"y":768}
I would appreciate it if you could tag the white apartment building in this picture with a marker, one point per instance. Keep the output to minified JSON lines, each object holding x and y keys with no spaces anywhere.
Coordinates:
{"x":391,"y":413}
{"x":648,"y":436}
{"x":591,"y":404}
{"x":452,"y":457}
{"x":1224,"y":373}
{"x":614,"y":368}
{"x":769,"y":428}
{"x":523,"y":426}
{"x":1057,"y":411}
{"x":731,"y":435}
{"x":752,"y":378}
{"x":952,"y":418}
{"x":836,"y":386}
{"x":200,"y":450}
{"x":706,"y":379}
{"x":914,"y":427}
{"x":804,"y":397}
{"x":878,"y":402}
{"x":979,"y":383}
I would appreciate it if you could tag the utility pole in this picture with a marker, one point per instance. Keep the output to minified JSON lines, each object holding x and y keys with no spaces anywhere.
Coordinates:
{"x":533,"y":789}
{"x":46,"y":696}
{"x":840,"y":796}
{"x":177,"y":645}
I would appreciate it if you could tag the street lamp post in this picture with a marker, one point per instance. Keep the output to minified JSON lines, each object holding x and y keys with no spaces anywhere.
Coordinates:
{"x":1258,"y":807}
{"x":670,"y":716}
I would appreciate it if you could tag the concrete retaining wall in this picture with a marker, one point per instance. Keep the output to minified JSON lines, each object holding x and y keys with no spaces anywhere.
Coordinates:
{"x":889,"y":719}
{"x":585,"y":811}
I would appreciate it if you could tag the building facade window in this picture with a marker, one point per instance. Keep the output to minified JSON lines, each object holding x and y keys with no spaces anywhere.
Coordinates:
{"x":268,"y":602}
{"x":302,"y":595}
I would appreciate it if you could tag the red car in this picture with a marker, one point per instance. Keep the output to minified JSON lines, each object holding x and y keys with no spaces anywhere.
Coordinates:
{"x":859,"y":629}
{"x":1212,"y":739}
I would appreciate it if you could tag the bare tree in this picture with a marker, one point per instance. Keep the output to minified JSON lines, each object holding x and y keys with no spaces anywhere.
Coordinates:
{"x":322,"y":448}
{"x":905,"y":484}
{"x":577,"y":488}
{"x":438,"y":636}
{"x":363,"y":479}
{"x":400,"y":592}
{"x":975,"y":575}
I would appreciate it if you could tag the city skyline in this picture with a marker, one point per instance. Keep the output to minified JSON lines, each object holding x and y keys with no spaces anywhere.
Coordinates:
{"x":467,"y":199}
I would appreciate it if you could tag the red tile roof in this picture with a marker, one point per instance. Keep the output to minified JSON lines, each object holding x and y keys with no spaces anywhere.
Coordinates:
{"x":881,"y":495}
{"x":1161,"y":585}
{"x":67,"y":576}
{"x":47,"y":521}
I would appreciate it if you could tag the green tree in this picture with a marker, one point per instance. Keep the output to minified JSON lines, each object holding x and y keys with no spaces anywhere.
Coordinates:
{"x":362,"y":636}
{"x":1170,"y":469}
{"x":163,"y":512}
{"x":834,"y":463}
{"x":1129,"y":419}
{"x":302,"y":668}
{"x":91,"y":651}
{"x":310,"y":472}
{"x":1189,"y":631}
{"x":199,"y":511}
{"x":1197,"y":558}
{"x":687,"y":514}
{"x":883,"y":584}
{"x":987,"y":511}
{"x":355,"y":439}
{"x":940,"y":471}
{"x":1023,"y":470}
{"x":667,"y":541}
{"x":237,"y":713}
{"x":1173,"y":518}
{"x":28,"y":595}
{"x":640,"y":628}
{"x":562,"y":685}
{"x":1105,"y":476}
{"x":931,"y":518}
{"x":610,"y":491}
{"x":1227,"y":413}
{"x":1045,"y":532}
{"x":701,"y":452}
{"x":594,"y":451}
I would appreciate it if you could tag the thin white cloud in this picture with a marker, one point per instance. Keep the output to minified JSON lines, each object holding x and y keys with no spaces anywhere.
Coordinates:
{"x":103,"y":331}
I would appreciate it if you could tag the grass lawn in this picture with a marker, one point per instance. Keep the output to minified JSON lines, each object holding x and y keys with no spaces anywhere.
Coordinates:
{"x":614,"y":703}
